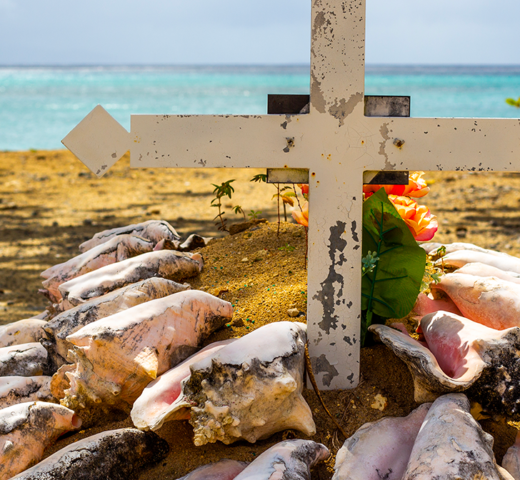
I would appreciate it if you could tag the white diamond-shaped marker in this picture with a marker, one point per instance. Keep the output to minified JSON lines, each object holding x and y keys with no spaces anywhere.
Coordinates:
{"x":98,"y":141}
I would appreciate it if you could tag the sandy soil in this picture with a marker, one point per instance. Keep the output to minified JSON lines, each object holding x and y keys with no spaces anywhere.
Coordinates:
{"x":50,"y":203}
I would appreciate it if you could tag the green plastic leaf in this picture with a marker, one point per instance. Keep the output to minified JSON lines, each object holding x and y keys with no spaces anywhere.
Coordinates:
{"x":391,"y":289}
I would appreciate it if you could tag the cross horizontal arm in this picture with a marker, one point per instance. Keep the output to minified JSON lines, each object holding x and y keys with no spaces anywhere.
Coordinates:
{"x":448,"y":143}
{"x":218,"y":141}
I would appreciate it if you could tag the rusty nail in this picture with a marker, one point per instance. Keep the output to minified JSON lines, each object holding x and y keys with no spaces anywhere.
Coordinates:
{"x":398,"y":142}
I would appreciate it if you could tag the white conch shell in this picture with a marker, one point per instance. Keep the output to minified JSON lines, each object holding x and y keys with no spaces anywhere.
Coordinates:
{"x":20,"y":332}
{"x":117,"y":356}
{"x":462,"y":257}
{"x":154,"y":230}
{"x":251,"y":388}
{"x":14,"y":390}
{"x":380,"y":449}
{"x":463,"y":356}
{"x":162,"y":400}
{"x":107,"y":455}
{"x":223,"y":470}
{"x":432,"y":248}
{"x":511,"y":460}
{"x":26,"y":429}
{"x":487,"y":300}
{"x":115,"y":250}
{"x":168,"y":264}
{"x":451,"y":444}
{"x":291,"y":460}
{"x":483,"y":270}
{"x":26,"y":360}
{"x":56,"y":331}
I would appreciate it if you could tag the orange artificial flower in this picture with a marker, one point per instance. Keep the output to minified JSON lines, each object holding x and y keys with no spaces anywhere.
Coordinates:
{"x":418,"y":218}
{"x":416,"y":187}
{"x":302,"y":217}
{"x":304,"y":188}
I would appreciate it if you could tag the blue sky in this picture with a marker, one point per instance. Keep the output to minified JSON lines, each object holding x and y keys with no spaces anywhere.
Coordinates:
{"x":59,"y":32}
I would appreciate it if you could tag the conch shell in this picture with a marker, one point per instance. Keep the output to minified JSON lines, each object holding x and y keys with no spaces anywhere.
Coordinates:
{"x":251,"y":388}
{"x":461,"y":356}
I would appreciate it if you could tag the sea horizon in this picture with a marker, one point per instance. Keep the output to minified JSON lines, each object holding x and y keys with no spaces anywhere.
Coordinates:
{"x":40,"y":104}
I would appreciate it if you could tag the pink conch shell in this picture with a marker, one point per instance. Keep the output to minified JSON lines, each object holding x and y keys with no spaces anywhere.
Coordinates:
{"x":380,"y":449}
{"x":460,"y":258}
{"x":425,"y":304}
{"x":168,"y":264}
{"x":14,"y":390}
{"x":26,"y":360}
{"x":452,"y":445}
{"x":115,"y":454}
{"x":265,"y":396}
{"x":161,"y":400}
{"x":115,"y":250}
{"x":511,"y":460}
{"x":27,"y":429}
{"x":117,"y":356}
{"x":56,"y":331}
{"x":223,"y":470}
{"x":154,"y":230}
{"x":291,"y":459}
{"x":486,"y":300}
{"x":463,"y":356}
{"x":22,"y":331}
{"x":483,"y":270}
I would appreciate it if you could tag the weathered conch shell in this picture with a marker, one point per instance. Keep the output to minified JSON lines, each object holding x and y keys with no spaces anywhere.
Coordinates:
{"x":14,"y":390}
{"x":154,"y":230}
{"x":291,"y":460}
{"x":116,"y":454}
{"x":251,"y":388}
{"x":115,"y":250}
{"x":169,"y":264}
{"x":483,"y":270}
{"x":162,"y":400}
{"x":451,"y":445}
{"x":56,"y":331}
{"x":223,"y":470}
{"x":511,"y":460}
{"x":380,"y":449}
{"x":26,"y":360}
{"x":117,"y":356}
{"x":20,"y":332}
{"x":462,"y":356}
{"x":498,"y":260}
{"x":27,"y":429}
{"x":490,"y":301}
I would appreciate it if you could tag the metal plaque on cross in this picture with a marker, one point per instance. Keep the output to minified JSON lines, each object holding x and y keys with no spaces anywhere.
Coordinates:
{"x":336,"y":142}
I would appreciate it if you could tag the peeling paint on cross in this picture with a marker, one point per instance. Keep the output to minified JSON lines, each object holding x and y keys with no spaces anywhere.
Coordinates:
{"x":336,"y":143}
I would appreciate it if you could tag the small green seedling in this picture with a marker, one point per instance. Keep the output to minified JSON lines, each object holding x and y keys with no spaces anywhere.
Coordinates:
{"x":220,"y":191}
{"x":287,"y":248}
{"x":254,"y":214}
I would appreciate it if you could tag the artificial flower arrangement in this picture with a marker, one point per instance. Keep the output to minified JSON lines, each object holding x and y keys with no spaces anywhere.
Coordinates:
{"x":393,"y":264}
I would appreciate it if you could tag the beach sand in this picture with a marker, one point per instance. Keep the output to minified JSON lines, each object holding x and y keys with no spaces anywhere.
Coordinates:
{"x":50,"y":203}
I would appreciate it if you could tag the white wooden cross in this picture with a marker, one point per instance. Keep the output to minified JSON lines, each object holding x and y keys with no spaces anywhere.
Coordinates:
{"x":336,"y":142}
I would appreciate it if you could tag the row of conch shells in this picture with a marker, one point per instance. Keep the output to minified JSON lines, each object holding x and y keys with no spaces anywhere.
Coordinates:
{"x":247,"y":389}
{"x":436,"y":441}
{"x":114,"y":356}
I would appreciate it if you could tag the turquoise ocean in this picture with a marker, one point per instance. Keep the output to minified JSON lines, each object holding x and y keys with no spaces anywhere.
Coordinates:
{"x":40,"y":105}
